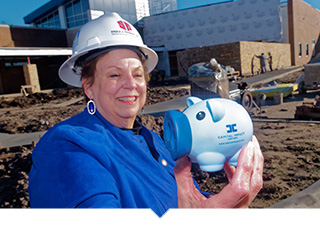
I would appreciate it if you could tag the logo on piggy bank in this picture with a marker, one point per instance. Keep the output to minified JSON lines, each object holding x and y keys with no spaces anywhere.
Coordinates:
{"x":211,"y":132}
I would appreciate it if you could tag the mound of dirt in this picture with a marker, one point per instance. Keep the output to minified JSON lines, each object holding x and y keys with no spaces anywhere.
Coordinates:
{"x":15,"y":165}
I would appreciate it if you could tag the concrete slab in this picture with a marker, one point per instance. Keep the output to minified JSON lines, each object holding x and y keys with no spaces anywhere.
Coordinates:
{"x":308,"y":198}
{"x":16,"y":140}
{"x":13,"y":95}
{"x":266,"y":77}
{"x":159,"y":109}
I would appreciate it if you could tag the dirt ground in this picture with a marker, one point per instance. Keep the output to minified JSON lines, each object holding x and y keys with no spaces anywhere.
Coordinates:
{"x":291,"y":149}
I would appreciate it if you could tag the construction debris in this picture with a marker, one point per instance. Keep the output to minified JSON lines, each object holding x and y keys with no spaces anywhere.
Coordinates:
{"x":309,"y":110}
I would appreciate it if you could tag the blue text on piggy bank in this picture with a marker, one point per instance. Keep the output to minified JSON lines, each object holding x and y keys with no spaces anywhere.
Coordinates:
{"x":211,"y":132}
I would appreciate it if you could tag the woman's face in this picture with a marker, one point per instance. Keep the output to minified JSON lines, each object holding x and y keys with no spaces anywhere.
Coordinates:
{"x":119,"y":88}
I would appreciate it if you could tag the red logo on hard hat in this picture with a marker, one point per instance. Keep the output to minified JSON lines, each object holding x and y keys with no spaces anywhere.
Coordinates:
{"x":124,"y":25}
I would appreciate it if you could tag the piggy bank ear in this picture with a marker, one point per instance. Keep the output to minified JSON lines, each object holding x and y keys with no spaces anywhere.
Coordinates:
{"x":193,"y":100}
{"x":177,"y":134}
{"x":216,"y":109}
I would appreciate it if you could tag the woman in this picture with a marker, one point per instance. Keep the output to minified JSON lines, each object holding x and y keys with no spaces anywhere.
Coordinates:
{"x":103,"y":157}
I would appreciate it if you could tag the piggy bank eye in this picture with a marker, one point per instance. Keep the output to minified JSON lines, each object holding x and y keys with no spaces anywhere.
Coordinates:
{"x":201,"y":115}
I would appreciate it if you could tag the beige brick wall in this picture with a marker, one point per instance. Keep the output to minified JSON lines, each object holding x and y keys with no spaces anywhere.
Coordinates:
{"x":5,"y":36}
{"x":225,"y":54}
{"x":31,"y":76}
{"x":304,"y":26}
{"x":239,"y":55}
{"x":250,"y":65}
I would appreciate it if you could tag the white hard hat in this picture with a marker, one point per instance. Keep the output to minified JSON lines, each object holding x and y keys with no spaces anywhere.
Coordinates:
{"x":101,"y":35}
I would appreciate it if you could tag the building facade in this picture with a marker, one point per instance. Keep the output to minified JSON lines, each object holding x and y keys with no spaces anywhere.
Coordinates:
{"x":169,"y":30}
{"x":295,"y":22}
{"x":162,"y":6}
{"x":74,"y":13}
{"x":304,"y":31}
{"x":232,"y":32}
{"x":211,"y":25}
{"x":215,"y":24}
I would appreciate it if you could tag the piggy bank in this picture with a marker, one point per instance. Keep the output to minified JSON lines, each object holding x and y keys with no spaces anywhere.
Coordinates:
{"x":209,"y":131}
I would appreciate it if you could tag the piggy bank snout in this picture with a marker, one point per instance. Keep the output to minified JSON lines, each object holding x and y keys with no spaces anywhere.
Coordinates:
{"x":177,"y":134}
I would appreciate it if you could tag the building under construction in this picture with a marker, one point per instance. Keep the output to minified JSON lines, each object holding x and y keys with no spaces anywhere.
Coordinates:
{"x":232,"y":32}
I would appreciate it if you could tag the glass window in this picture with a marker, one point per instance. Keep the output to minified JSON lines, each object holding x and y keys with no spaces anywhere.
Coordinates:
{"x":69,"y":9}
{"x":307,"y":49}
{"x":69,"y":15}
{"x":77,"y":7}
{"x":51,"y":20}
{"x":313,"y":48}
{"x":76,"y":13}
{"x":300,"y":49}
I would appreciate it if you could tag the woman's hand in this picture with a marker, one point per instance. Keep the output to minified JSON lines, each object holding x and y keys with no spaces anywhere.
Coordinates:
{"x":245,"y":181}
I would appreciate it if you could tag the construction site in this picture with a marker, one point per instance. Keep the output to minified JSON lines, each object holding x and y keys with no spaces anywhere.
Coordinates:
{"x":284,"y":103}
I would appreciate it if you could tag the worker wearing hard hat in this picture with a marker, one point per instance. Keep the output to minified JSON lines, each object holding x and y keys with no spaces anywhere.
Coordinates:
{"x":103,"y":157}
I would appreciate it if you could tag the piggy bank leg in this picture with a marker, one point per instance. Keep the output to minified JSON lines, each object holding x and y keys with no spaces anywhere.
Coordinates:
{"x":233,"y":161}
{"x":211,"y":161}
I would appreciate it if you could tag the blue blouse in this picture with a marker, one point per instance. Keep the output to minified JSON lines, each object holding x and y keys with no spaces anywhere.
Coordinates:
{"x":85,"y":161}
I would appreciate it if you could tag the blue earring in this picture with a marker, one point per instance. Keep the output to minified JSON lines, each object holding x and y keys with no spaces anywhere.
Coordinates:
{"x":91,"y":107}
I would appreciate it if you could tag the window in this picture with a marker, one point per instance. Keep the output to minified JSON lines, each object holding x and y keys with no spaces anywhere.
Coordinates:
{"x":13,"y":64}
{"x":307,"y":50}
{"x":300,"y":49}
{"x":313,"y":46}
{"x":76,"y":13}
{"x":49,"y":21}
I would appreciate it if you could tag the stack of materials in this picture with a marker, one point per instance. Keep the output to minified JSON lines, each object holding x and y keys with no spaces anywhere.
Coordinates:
{"x":208,"y":80}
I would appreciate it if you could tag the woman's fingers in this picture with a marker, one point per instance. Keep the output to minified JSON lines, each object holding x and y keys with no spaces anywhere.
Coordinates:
{"x":257,"y":176}
{"x":245,"y":181}
{"x":229,"y":170}
{"x":188,"y":194}
{"x":236,"y":193}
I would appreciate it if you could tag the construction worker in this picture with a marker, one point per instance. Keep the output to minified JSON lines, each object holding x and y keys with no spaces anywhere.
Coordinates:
{"x":103,"y":157}
{"x":263,"y":62}
{"x":270,"y":61}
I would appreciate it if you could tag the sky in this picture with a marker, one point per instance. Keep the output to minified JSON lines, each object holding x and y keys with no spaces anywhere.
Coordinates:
{"x":13,"y":11}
